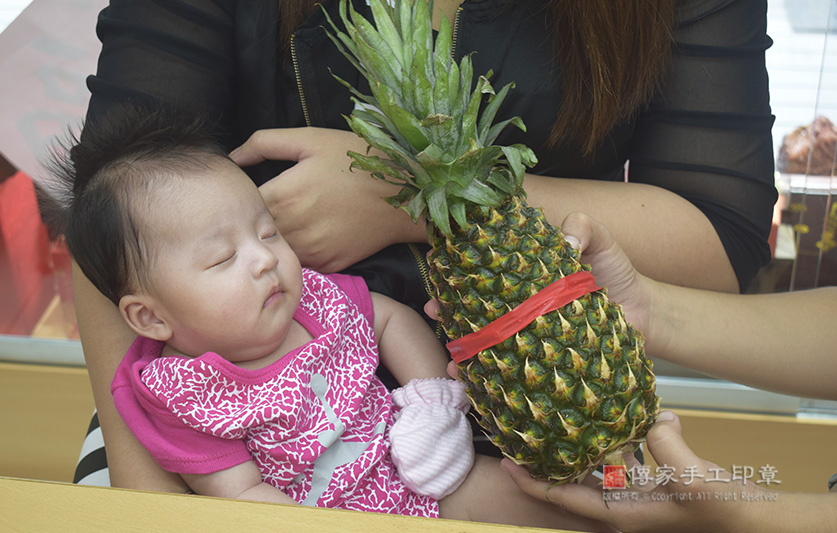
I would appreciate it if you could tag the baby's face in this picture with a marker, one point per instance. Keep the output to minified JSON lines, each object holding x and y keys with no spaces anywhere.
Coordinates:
{"x":223,"y":277}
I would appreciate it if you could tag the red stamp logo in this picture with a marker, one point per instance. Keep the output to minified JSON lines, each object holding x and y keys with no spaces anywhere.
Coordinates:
{"x":614,"y":477}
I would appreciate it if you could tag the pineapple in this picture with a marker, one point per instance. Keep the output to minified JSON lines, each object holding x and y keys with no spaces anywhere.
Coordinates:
{"x":573,"y":387}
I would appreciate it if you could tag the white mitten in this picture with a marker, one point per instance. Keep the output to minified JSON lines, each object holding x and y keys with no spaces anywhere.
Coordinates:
{"x":431,"y":442}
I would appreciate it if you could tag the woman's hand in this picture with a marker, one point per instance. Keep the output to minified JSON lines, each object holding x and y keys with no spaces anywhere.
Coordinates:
{"x":611,"y":267}
{"x":671,"y":505}
{"x":332,"y":217}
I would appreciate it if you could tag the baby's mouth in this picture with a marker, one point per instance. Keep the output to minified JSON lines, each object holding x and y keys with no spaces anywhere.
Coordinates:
{"x":275,"y":295}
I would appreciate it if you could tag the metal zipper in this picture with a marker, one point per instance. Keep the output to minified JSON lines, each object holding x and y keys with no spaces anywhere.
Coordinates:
{"x":455,"y":33}
{"x":421,"y":263}
{"x":299,"y":82}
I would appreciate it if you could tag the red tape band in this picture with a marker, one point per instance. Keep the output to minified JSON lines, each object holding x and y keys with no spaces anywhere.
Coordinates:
{"x":552,"y":297}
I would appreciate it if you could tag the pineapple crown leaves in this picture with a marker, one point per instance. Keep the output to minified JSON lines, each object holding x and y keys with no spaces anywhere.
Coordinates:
{"x":426,"y":115}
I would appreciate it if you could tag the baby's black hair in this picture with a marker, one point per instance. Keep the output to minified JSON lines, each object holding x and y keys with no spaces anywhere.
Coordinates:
{"x":97,"y":183}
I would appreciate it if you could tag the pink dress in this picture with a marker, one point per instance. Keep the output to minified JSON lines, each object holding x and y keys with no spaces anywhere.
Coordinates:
{"x":316,"y":422}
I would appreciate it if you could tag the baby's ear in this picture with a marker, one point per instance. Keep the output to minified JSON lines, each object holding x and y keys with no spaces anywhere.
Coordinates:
{"x":138,"y":312}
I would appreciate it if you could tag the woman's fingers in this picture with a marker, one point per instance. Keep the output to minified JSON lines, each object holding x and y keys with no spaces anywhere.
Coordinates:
{"x":432,"y":309}
{"x":274,"y":144}
{"x":665,"y":442}
{"x":577,"y":499}
{"x":453,"y":370}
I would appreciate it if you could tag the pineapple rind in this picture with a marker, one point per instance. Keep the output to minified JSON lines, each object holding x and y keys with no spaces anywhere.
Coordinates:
{"x":570,"y":388}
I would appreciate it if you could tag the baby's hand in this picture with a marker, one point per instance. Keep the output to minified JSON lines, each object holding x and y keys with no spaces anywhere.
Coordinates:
{"x":431,"y":440}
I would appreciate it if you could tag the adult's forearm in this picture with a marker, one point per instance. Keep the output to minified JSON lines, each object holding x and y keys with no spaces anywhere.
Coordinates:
{"x":666,"y":237}
{"x":781,"y":342}
{"x":813,"y":513}
{"x":105,"y":338}
{"x":265,"y":492}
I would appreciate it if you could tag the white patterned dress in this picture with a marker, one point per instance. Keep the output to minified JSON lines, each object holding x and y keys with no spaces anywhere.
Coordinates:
{"x":316,"y":422}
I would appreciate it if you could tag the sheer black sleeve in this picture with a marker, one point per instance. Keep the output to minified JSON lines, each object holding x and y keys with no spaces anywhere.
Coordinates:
{"x":707,"y":136}
{"x":177,"y":51}
{"x":185,"y":52}
{"x":217,"y":57}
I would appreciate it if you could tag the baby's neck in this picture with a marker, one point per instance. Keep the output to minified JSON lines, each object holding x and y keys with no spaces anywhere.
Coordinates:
{"x":296,"y":337}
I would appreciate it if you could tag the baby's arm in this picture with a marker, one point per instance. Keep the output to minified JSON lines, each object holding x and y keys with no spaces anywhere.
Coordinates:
{"x":241,"y":482}
{"x":406,"y":344}
{"x":431,"y":440}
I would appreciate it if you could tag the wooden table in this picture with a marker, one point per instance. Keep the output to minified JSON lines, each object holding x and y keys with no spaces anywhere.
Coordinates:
{"x":42,"y":506}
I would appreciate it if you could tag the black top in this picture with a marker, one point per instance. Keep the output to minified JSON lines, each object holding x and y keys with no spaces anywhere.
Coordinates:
{"x":706,"y":136}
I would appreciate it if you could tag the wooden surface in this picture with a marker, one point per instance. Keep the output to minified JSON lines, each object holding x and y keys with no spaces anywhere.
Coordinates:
{"x":45,"y":411}
{"x":38,"y":506}
{"x":44,"y":414}
{"x":799,"y":449}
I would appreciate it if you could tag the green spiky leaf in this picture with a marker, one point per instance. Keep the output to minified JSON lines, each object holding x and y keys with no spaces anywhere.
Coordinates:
{"x":437,"y":204}
{"x":427,"y":114}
